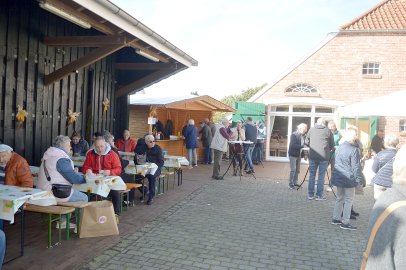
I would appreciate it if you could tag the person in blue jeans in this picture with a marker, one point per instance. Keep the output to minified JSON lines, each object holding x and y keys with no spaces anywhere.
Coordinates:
{"x":2,"y":247}
{"x":320,"y":141}
{"x":251,"y":134}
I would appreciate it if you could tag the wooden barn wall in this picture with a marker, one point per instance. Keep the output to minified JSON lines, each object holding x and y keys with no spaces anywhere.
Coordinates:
{"x":24,"y":59}
{"x":122,"y":122}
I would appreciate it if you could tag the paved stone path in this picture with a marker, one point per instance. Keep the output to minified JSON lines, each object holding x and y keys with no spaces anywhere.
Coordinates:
{"x":249,"y":224}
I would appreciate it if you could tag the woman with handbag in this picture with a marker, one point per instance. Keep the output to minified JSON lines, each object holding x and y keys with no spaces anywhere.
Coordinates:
{"x":57,"y":173}
{"x":347,"y":175}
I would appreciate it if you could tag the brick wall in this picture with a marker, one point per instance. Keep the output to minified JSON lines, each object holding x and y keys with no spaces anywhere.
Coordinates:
{"x":336,"y":71}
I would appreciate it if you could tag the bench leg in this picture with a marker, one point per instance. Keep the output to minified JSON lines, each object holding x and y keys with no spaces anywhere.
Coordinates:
{"x":67,"y":228}
{"x":77,"y":218}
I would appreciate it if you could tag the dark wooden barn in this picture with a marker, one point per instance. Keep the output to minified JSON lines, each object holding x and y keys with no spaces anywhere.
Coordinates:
{"x":59,"y":57}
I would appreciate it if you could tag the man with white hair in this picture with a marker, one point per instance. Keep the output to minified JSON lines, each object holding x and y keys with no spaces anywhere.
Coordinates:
{"x":389,"y":245}
{"x":153,"y":153}
{"x":320,"y":141}
{"x":295,"y":149}
{"x":219,"y":145}
{"x":17,"y":170}
{"x":382,"y":165}
{"x":347,"y":174}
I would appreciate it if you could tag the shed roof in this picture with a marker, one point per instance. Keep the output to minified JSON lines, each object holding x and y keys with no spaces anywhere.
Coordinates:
{"x":186,"y":102}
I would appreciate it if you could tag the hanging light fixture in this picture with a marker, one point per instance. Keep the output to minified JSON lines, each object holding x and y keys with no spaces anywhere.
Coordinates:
{"x":63,"y":14}
{"x":146,"y":55}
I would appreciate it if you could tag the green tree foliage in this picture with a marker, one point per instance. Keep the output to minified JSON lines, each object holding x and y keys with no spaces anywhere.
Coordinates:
{"x":195,"y":93}
{"x":243,"y":96}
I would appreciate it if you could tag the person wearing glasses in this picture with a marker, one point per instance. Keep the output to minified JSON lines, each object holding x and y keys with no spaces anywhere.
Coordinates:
{"x":153,"y":153}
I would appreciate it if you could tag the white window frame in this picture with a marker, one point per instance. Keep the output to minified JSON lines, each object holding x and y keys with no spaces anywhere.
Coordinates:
{"x":313,"y":115}
{"x":371,"y":68}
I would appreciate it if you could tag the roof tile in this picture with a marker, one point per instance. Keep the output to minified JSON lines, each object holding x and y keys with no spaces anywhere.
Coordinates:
{"x":389,"y":14}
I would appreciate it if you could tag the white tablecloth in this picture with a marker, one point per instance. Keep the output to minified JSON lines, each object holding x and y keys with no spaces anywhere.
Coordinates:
{"x":12,"y":198}
{"x":147,"y":168}
{"x":101,"y":185}
{"x":175,"y":161}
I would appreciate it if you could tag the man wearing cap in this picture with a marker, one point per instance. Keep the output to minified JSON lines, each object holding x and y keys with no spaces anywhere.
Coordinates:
{"x":17,"y":170}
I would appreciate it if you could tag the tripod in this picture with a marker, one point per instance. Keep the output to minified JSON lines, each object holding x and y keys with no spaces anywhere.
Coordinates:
{"x":328,"y":177}
{"x":234,"y":156}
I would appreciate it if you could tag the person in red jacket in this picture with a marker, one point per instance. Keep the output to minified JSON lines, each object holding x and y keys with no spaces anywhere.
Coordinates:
{"x":126,"y":144}
{"x":102,"y":160}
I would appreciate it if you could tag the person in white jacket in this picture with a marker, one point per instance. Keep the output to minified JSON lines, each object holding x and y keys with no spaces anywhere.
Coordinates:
{"x":219,"y":146}
{"x":61,"y":170}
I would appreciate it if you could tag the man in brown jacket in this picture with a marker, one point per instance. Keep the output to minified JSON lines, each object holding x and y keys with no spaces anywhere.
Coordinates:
{"x":17,"y":170}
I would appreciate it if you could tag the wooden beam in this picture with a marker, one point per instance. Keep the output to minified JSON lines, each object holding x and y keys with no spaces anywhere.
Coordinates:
{"x":75,"y":12}
{"x":84,"y":41}
{"x":143,"y":66}
{"x":205,"y":104}
{"x":124,"y":90}
{"x":84,"y":61}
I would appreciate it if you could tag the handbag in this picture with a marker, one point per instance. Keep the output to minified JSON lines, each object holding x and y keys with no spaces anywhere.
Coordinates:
{"x":375,"y":229}
{"x":59,"y":190}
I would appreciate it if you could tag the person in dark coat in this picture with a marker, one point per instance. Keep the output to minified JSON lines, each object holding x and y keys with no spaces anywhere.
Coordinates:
{"x":153,"y":153}
{"x":320,"y":140}
{"x":377,"y":144}
{"x":79,"y":145}
{"x":347,"y":175}
{"x":251,"y":134}
{"x":190,"y":133}
{"x":295,"y":148}
{"x":206,"y":141}
{"x":383,"y":165}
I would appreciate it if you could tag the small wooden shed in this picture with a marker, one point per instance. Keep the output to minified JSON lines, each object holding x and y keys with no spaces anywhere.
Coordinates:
{"x":178,"y":109}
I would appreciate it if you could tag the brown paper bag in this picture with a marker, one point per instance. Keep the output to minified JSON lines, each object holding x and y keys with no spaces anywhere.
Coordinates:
{"x":98,"y":219}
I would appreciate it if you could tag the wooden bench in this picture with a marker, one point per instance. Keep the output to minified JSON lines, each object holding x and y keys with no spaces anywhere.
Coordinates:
{"x":51,"y":211}
{"x":129,"y":187}
{"x":78,"y":206}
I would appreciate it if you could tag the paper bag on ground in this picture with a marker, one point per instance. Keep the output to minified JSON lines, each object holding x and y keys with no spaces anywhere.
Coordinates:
{"x":98,"y":219}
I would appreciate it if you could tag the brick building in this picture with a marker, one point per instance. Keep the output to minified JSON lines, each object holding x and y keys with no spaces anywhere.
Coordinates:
{"x":364,"y":59}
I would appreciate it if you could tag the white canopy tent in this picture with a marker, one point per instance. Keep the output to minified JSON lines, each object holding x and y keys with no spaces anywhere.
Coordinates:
{"x":393,"y":104}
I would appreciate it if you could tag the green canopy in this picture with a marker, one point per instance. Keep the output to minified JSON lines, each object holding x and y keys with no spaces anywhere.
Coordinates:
{"x":245,"y":109}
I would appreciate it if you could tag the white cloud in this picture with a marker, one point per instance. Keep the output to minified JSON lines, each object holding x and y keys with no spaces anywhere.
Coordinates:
{"x":240,"y":44}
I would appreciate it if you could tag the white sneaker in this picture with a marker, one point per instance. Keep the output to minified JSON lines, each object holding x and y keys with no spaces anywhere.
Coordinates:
{"x":329,"y":189}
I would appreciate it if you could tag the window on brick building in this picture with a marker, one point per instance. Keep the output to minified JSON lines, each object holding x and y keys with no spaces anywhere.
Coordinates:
{"x":370,"y":68}
{"x":402,"y":125}
{"x":301,"y":88}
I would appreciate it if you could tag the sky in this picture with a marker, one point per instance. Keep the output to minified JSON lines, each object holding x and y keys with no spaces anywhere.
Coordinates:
{"x":239,"y":44}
